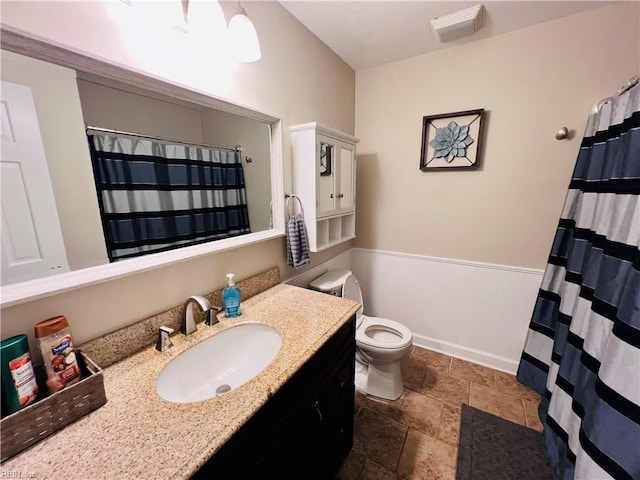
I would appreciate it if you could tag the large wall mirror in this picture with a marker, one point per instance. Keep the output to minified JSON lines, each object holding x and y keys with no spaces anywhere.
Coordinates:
{"x":67,"y":93}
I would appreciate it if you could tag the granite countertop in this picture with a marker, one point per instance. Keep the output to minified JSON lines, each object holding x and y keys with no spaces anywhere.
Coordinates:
{"x":138,"y":435}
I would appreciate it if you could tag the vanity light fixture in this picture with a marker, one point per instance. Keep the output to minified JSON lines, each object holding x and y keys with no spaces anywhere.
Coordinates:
{"x":243,"y":37}
{"x":458,"y":24}
{"x":170,"y":13}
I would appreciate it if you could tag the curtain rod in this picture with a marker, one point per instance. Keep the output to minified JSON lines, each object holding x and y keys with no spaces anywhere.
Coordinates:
{"x":237,"y":148}
{"x":631,"y":83}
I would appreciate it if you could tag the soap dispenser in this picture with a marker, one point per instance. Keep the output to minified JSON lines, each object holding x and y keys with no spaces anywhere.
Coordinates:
{"x":231,"y":298}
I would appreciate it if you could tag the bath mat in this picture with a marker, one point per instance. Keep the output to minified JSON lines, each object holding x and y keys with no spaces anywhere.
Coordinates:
{"x":497,"y":449}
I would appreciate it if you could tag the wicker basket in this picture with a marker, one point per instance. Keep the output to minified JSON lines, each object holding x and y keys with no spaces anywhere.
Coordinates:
{"x":44,"y":417}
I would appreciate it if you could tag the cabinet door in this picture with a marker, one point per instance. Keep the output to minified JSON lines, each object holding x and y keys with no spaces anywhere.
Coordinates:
{"x":327,"y":152}
{"x":346,"y":190}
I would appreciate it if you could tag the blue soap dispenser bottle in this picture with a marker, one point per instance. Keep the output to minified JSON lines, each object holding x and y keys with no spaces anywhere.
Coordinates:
{"x":231,"y":298}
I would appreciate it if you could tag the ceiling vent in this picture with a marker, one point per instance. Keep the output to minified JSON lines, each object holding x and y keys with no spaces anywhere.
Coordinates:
{"x":458,"y":24}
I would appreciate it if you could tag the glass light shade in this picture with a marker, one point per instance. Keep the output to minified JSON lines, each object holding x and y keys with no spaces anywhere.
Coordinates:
{"x":243,"y":38}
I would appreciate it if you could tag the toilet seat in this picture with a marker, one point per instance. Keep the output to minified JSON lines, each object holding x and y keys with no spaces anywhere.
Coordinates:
{"x":382,"y":333}
{"x":351,"y":290}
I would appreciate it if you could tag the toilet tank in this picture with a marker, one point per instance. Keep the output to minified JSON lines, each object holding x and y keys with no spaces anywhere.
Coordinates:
{"x":331,"y":282}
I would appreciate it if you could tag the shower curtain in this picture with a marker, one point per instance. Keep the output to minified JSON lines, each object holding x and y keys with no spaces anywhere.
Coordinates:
{"x":582,"y":351}
{"x":155,"y":197}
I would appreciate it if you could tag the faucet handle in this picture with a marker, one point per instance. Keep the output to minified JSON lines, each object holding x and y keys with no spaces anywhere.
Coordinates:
{"x":164,"y":342}
{"x":212,"y":318}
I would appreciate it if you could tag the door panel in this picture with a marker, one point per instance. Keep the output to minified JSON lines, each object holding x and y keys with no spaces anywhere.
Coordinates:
{"x":327,"y":171}
{"x":346,"y":178}
{"x":32,"y":244}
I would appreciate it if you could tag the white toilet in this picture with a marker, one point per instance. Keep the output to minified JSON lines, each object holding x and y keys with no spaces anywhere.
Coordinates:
{"x":380,"y":343}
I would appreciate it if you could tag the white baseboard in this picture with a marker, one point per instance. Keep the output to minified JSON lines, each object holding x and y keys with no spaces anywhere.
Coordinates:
{"x":464,"y":353}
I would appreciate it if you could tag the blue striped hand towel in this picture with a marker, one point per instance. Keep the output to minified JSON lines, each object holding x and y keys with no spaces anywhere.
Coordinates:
{"x":297,"y":243}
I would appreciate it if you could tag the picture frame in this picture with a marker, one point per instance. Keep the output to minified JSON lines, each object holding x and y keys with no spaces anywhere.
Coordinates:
{"x":452,"y":140}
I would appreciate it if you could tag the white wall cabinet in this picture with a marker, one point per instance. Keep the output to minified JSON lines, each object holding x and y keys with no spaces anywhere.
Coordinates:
{"x":324,"y":176}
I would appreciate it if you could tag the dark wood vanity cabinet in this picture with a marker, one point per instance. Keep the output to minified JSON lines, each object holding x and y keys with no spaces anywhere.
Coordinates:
{"x":305,"y":431}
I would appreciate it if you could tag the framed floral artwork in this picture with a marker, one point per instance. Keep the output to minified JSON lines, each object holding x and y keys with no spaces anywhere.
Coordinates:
{"x":451,"y":140}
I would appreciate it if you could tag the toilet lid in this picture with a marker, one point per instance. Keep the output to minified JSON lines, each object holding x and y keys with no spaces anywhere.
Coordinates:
{"x":383,"y":333}
{"x":351,"y":290}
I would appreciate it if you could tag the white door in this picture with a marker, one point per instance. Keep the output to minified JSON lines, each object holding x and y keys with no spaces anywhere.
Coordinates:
{"x":32,"y":244}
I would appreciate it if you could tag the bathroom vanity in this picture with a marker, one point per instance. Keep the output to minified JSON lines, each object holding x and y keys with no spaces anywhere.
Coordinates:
{"x":293,"y":420}
{"x":306,"y":429}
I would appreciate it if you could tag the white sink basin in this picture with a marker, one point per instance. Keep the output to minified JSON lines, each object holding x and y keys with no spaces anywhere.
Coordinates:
{"x":219,"y":364}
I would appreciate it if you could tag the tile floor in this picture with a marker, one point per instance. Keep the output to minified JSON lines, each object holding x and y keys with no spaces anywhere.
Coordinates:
{"x":416,"y":436}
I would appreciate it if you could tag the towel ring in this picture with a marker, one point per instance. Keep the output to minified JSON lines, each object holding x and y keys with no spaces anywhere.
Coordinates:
{"x":289,"y":198}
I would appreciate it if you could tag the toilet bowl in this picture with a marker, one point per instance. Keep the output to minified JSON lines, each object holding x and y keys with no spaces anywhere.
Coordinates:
{"x":380,"y":343}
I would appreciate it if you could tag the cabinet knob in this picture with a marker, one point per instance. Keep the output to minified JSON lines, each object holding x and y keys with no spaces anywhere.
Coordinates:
{"x":331,"y":196}
{"x":341,"y":195}
{"x":318,"y":410}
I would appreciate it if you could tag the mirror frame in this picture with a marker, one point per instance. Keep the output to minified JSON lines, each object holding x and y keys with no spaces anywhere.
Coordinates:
{"x":16,"y":41}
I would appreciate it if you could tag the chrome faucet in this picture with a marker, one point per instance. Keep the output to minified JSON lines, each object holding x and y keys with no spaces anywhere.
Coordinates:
{"x":188,"y":325}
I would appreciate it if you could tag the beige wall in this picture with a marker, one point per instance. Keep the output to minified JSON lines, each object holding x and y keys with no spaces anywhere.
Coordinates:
{"x":107,"y":107}
{"x":222,"y":128}
{"x":531,"y":82}
{"x":293,"y":80}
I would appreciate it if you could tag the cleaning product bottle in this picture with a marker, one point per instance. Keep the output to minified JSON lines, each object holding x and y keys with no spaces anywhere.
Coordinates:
{"x":231,"y":298}
{"x":19,"y":387}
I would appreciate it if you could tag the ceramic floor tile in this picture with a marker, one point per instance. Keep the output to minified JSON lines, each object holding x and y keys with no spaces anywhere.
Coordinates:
{"x":501,"y":404}
{"x":472,"y":372}
{"x":506,"y":383}
{"x":426,"y":458}
{"x":412,"y":373}
{"x":374,"y":471}
{"x":352,"y":466}
{"x":446,"y":388}
{"x":531,"y":416}
{"x":449,"y":431}
{"x":434,"y":360}
{"x":416,"y":436}
{"x":379,"y":437}
{"x":411,"y":409}
{"x":389,"y":408}
{"x":361,"y":398}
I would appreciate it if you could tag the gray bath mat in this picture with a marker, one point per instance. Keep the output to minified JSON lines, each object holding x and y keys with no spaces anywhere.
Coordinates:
{"x":493,"y":448}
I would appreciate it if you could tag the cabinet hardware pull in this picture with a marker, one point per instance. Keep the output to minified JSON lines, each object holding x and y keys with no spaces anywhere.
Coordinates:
{"x":331,"y":196}
{"x":318,"y":410}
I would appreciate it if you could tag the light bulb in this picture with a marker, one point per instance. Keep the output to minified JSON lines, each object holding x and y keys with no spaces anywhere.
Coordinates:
{"x":243,"y":37}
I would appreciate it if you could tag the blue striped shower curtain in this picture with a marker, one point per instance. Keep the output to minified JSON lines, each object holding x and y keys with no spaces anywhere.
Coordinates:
{"x":582,"y":351}
{"x":155,"y":197}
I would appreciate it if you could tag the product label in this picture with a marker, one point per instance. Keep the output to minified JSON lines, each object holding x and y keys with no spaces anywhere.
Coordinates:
{"x":65,"y":344}
{"x":63,"y":362}
{"x":24,"y":379}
